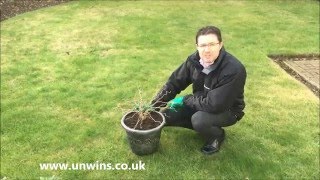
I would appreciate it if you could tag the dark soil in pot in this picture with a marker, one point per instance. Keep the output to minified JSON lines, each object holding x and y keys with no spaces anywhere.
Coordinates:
{"x":148,"y":123}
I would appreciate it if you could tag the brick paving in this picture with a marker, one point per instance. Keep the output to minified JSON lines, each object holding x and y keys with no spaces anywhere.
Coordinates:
{"x":307,"y":69}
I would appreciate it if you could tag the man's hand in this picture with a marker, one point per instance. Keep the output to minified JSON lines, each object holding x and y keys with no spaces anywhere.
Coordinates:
{"x":176,"y":103}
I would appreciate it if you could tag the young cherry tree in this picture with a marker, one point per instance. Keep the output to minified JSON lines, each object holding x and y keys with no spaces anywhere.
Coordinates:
{"x":142,"y":109}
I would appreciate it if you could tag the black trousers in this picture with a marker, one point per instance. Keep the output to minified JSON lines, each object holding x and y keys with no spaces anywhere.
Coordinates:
{"x":208,"y":125}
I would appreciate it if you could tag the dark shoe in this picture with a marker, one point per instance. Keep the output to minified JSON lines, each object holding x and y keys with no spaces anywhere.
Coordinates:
{"x":213,"y":146}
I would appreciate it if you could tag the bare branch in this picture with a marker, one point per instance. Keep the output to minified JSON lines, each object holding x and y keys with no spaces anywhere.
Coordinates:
{"x":154,"y":119}
{"x":158,"y":98}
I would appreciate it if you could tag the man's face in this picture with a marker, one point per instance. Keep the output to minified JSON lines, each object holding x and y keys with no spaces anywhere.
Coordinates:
{"x":209,"y":47}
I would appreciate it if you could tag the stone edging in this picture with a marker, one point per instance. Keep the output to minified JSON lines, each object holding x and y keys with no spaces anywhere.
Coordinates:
{"x":279,"y":59}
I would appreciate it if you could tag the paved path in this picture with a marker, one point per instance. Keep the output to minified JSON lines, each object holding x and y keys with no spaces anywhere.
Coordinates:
{"x":308,"y":69}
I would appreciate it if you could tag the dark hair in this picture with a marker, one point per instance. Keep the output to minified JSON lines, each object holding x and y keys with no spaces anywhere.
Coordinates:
{"x":209,"y":30}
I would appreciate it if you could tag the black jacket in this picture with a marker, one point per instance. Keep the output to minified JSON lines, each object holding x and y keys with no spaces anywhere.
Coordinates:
{"x":218,"y":88}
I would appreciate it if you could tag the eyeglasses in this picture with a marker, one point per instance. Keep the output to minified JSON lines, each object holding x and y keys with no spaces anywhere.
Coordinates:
{"x":209,"y":45}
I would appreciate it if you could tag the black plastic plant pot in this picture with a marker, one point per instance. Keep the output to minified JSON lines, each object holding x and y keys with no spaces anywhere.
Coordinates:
{"x":143,"y":142}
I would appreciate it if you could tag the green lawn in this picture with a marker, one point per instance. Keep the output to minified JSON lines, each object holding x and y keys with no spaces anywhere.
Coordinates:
{"x":65,"y":69}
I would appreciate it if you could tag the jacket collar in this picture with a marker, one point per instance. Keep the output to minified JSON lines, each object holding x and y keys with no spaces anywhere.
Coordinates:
{"x":195,"y":59}
{"x":217,"y":62}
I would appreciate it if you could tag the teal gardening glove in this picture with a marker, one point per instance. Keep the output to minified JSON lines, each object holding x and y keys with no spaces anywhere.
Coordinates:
{"x":176,"y":103}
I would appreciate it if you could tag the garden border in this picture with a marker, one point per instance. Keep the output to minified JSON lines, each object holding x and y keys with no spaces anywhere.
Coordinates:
{"x":280,"y":58}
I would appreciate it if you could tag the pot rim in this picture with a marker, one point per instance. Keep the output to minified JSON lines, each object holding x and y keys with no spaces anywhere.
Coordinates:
{"x":142,"y":131}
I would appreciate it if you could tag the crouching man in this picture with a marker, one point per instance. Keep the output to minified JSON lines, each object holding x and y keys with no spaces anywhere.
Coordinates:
{"x":218,"y":80}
